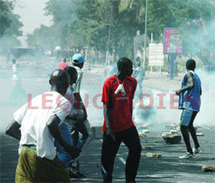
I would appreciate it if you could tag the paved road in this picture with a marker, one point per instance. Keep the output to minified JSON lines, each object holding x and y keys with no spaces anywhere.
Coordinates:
{"x":166,"y":169}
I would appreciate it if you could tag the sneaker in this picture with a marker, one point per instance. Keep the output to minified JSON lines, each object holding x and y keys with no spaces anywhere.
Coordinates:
{"x":187,"y":155}
{"x":197,"y":150}
{"x":73,"y":173}
{"x":76,"y":175}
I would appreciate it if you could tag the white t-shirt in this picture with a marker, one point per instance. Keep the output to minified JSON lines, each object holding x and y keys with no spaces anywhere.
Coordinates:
{"x":33,"y":118}
{"x":77,"y":84}
{"x":78,"y":113}
{"x":14,"y":67}
{"x":70,"y":96}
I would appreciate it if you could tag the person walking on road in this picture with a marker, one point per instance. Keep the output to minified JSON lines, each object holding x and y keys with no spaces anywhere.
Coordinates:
{"x":189,"y":101}
{"x":117,"y":97}
{"x":83,"y":125}
{"x":36,"y":125}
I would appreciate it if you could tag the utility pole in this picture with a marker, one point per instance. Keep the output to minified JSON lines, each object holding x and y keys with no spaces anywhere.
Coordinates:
{"x":109,"y":37}
{"x":212,"y":32}
{"x":212,"y":2}
{"x":145,"y":35}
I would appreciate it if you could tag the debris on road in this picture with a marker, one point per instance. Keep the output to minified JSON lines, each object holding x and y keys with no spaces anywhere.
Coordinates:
{"x":153,"y":155}
{"x":199,"y":134}
{"x":171,"y":137}
{"x":208,"y":168}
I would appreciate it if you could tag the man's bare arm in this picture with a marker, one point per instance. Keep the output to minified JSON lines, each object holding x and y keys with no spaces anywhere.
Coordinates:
{"x":108,"y":123}
{"x":53,"y":126}
{"x":190,"y":83}
{"x":13,"y":130}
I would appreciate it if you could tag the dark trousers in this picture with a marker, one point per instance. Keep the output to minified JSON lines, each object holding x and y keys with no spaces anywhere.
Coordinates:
{"x":185,"y":133}
{"x":110,"y":148}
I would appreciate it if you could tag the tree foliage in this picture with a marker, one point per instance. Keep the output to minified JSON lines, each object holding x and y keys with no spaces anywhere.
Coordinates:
{"x":112,"y":24}
{"x":10,"y":23}
{"x":44,"y":37}
{"x":9,"y":27}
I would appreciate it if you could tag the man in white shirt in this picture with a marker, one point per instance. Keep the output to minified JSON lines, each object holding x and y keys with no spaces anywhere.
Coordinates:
{"x":82,"y":126}
{"x":36,"y":125}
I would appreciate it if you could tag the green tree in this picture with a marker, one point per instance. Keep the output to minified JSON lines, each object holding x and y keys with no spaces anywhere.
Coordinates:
{"x":10,"y":27}
{"x":192,"y":17}
{"x":64,"y":13}
{"x":10,"y":23}
{"x":109,"y":25}
{"x":44,"y":37}
{"x":4,"y":16}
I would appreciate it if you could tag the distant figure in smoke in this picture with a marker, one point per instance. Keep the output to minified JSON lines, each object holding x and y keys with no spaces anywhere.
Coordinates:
{"x":110,"y":69}
{"x":189,"y":102}
{"x":18,"y":93}
{"x":117,"y":97}
{"x":14,"y":76}
{"x":139,"y":74}
{"x":36,"y":128}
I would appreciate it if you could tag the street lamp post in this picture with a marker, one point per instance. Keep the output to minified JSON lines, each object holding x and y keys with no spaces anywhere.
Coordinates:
{"x":145,"y":35}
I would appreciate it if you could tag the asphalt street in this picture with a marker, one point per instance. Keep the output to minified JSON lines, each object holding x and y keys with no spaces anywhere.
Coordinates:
{"x":165,"y":169}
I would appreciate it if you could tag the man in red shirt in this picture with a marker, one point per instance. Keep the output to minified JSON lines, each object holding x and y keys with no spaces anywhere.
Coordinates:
{"x":117,"y":97}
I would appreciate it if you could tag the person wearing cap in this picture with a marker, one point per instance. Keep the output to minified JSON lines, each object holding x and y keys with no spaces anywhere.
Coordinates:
{"x":78,"y":62}
{"x":36,"y":125}
{"x":82,"y":124}
{"x":189,"y":101}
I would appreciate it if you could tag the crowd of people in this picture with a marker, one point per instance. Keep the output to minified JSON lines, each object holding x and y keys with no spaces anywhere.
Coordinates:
{"x":52,"y":135}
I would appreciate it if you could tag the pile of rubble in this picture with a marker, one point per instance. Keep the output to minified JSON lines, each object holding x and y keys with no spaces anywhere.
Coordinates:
{"x":171,"y":137}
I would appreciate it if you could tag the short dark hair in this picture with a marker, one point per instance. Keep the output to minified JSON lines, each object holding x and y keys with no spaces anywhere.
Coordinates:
{"x":123,"y":63}
{"x":78,"y":64}
{"x":191,"y":64}
{"x":13,"y":60}
{"x":59,"y":77}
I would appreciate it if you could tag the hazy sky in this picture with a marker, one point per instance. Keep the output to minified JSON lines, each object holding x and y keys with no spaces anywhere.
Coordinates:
{"x":32,"y":14}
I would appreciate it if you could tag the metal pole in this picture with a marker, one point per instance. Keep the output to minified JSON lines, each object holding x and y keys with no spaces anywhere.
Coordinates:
{"x":172,"y":58}
{"x":135,"y":48}
{"x":212,"y":2}
{"x":145,"y":35}
{"x":212,"y":35}
{"x":109,"y":37}
{"x":108,"y":46}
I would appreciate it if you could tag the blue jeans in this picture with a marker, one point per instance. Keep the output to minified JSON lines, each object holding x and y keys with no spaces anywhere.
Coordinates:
{"x":63,"y":156}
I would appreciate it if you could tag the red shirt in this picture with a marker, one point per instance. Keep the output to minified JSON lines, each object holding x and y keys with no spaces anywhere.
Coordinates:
{"x":120,"y":104}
